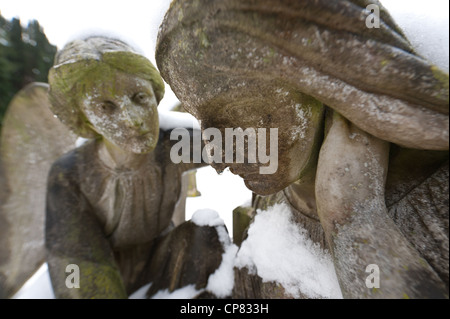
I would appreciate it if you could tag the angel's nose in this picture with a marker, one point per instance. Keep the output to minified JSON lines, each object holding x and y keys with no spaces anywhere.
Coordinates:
{"x":133,"y":114}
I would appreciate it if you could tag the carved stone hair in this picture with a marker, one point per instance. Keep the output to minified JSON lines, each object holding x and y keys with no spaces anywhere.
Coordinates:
{"x":75,"y":69}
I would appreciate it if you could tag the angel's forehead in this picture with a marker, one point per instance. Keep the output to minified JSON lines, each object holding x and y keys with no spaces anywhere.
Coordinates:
{"x":116,"y":83}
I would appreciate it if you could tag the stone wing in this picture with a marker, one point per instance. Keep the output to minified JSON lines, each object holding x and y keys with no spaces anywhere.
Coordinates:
{"x":31,"y":140}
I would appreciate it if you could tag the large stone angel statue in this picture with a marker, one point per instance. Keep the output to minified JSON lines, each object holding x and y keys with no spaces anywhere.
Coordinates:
{"x":109,"y":203}
{"x":363,"y":123}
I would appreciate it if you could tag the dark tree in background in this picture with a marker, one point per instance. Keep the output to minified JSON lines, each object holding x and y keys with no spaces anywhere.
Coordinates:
{"x":25,"y":57}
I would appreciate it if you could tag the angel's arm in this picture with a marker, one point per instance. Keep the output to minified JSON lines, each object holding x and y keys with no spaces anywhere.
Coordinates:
{"x":350,"y":198}
{"x":75,"y":237}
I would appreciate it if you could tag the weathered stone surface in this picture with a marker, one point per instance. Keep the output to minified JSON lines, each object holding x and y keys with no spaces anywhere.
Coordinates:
{"x":214,"y":52}
{"x":242,"y":216}
{"x":251,"y":286}
{"x":179,"y":213}
{"x":31,"y":140}
{"x":352,"y":210}
{"x":423,"y":215}
{"x":94,"y":62}
{"x":408,"y":168}
{"x":187,"y":255}
{"x":417,"y":199}
{"x":110,"y":202}
{"x":192,"y":185}
{"x":270,"y":64}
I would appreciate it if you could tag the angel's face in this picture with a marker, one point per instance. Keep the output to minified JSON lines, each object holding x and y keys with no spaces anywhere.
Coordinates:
{"x":297,"y":119}
{"x":123,"y":109}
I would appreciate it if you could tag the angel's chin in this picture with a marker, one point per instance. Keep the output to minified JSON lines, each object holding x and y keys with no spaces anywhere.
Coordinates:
{"x":138,"y":148}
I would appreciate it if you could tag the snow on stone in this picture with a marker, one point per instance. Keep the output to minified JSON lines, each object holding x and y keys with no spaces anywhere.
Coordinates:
{"x":38,"y":286}
{"x":426,"y":25}
{"x":70,"y":61}
{"x":188,"y":292}
{"x":221,"y":282}
{"x":85,"y":33}
{"x":170,"y":120}
{"x":207,"y":217}
{"x":140,"y":293}
{"x":303,"y":122}
{"x":81,"y":141}
{"x":280,"y":251}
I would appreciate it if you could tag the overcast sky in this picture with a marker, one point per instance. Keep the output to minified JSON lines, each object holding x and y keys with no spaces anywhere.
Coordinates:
{"x":135,"y":20}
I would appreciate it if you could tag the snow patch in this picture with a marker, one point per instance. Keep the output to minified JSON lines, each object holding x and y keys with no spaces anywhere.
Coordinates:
{"x":188,"y":292}
{"x":221,"y":282}
{"x":38,"y":286}
{"x":207,"y":217}
{"x":81,"y":141}
{"x":278,"y":250}
{"x":303,"y":118}
{"x":140,"y":293}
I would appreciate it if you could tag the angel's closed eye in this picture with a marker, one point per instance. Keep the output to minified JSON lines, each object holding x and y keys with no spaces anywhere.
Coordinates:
{"x":141,"y":98}
{"x":108,"y":106}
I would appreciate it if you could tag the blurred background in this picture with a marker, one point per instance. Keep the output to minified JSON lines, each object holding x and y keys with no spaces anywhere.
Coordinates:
{"x":31,"y":32}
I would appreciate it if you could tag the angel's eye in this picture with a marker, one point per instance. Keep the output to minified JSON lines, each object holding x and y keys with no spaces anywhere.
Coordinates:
{"x":108,"y":106}
{"x":141,"y":98}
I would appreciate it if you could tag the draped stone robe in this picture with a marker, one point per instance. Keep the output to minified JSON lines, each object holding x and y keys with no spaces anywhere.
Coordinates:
{"x":105,"y":218}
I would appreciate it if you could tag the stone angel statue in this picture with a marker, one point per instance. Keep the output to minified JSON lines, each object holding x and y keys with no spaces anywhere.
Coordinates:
{"x":362,"y":121}
{"x":110,"y":202}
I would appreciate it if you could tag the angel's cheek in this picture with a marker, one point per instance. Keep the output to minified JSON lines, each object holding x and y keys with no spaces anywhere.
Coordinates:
{"x":110,"y":126}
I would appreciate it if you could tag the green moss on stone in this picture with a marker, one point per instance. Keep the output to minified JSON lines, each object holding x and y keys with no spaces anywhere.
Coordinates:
{"x":203,"y":38}
{"x":384,"y":62}
{"x":442,"y":79}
